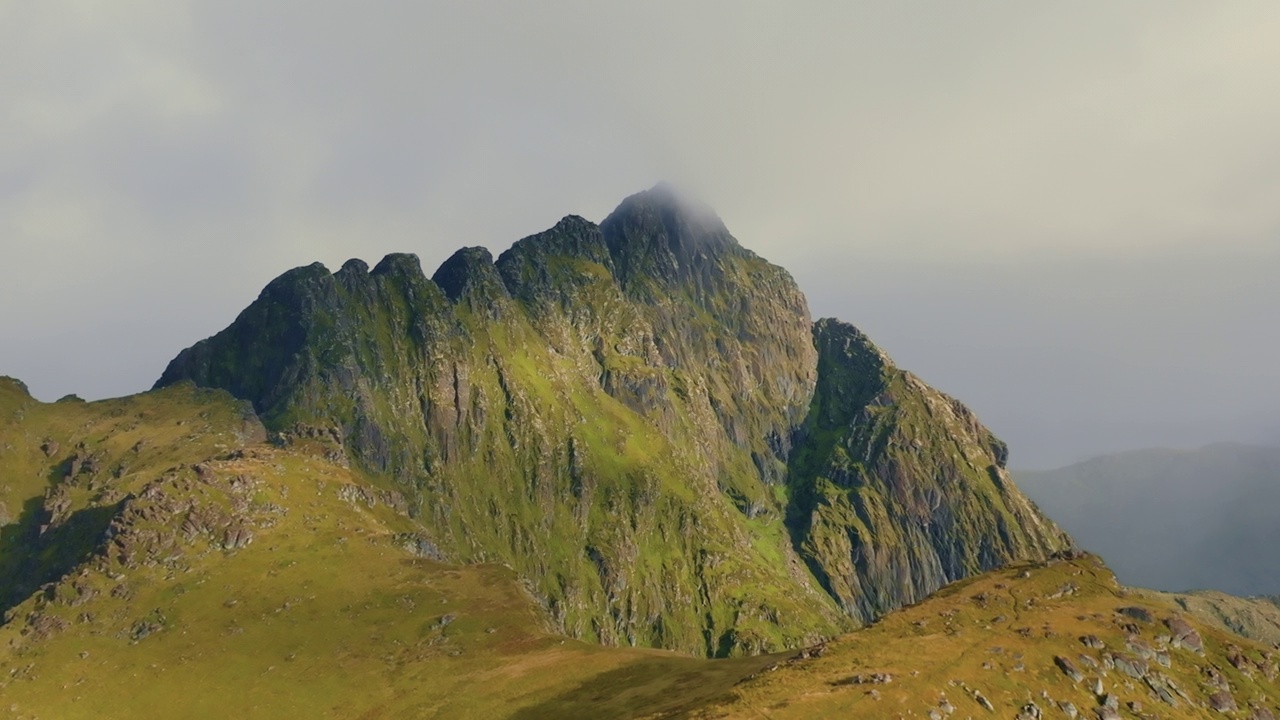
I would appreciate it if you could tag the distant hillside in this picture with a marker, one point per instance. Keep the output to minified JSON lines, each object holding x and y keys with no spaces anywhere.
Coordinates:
{"x":1173,"y":519}
{"x":1043,"y":642}
{"x":1255,"y":617}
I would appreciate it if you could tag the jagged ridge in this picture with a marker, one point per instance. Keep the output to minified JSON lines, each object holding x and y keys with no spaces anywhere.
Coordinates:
{"x":636,"y":417}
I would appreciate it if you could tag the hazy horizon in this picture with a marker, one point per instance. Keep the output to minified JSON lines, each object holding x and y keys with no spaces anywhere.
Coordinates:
{"x":1064,"y":217}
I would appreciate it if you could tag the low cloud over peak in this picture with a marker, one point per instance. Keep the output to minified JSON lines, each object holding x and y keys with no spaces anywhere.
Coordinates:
{"x":1094,"y":186}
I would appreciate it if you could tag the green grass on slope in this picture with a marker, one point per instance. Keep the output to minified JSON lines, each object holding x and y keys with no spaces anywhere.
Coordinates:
{"x":324,"y":615}
{"x":997,"y":635}
{"x":115,"y":447}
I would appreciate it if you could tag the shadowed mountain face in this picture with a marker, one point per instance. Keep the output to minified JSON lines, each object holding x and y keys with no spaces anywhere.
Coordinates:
{"x":1172,"y":519}
{"x":641,"y":420}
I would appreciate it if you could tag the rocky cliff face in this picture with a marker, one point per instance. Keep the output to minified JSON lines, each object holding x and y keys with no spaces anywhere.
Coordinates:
{"x":636,"y":417}
{"x":897,"y":489}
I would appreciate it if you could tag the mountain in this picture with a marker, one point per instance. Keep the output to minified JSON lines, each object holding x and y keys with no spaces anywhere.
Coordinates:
{"x":641,"y":420}
{"x":1174,"y":519}
{"x":169,"y":561}
{"x":378,"y":494}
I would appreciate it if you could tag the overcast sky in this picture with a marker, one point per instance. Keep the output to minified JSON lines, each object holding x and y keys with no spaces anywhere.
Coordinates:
{"x":1065,"y":214}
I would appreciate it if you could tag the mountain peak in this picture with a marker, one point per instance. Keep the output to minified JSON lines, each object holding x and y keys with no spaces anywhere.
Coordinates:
{"x":683,"y":216}
{"x":13,"y":384}
{"x":552,"y":257}
{"x":355,"y":266}
{"x":663,"y":233}
{"x":470,"y":269}
{"x":402,"y":264}
{"x":666,"y":195}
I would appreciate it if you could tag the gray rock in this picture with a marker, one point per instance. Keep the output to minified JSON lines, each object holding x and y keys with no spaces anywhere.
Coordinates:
{"x":420,"y":546}
{"x":236,"y":537}
{"x":1131,"y":666}
{"x":1239,"y":661}
{"x":1184,"y":635}
{"x":1092,"y":642}
{"x":1215,"y":679}
{"x":867,"y":679}
{"x":1068,"y":668}
{"x":1137,"y":613}
{"x":1030,"y":711}
{"x":1140,"y":647}
{"x":1222,"y":701}
{"x":1159,"y":685}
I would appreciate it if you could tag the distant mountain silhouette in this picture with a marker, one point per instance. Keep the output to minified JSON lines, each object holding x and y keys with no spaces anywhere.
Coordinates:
{"x":1174,"y":519}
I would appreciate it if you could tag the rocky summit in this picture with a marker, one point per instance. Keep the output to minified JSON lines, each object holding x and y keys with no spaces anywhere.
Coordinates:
{"x":640,"y":419}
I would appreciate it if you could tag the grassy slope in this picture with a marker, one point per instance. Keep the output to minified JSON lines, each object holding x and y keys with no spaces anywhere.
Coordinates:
{"x":323,"y":615}
{"x":122,"y":443}
{"x":951,"y":642}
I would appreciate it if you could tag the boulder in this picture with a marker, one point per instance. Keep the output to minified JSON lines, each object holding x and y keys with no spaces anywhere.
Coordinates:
{"x":1137,"y":613}
{"x":1184,"y":635}
{"x":1092,"y":642}
{"x":1068,"y":668}
{"x":1222,"y":701}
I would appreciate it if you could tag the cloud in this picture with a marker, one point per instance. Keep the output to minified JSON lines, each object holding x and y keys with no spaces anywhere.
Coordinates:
{"x":161,"y":161}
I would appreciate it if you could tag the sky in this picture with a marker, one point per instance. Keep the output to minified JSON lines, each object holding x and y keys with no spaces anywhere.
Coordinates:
{"x":1064,"y":214}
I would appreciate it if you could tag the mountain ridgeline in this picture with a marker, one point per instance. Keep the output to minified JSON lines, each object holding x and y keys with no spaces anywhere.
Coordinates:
{"x":641,"y":420}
